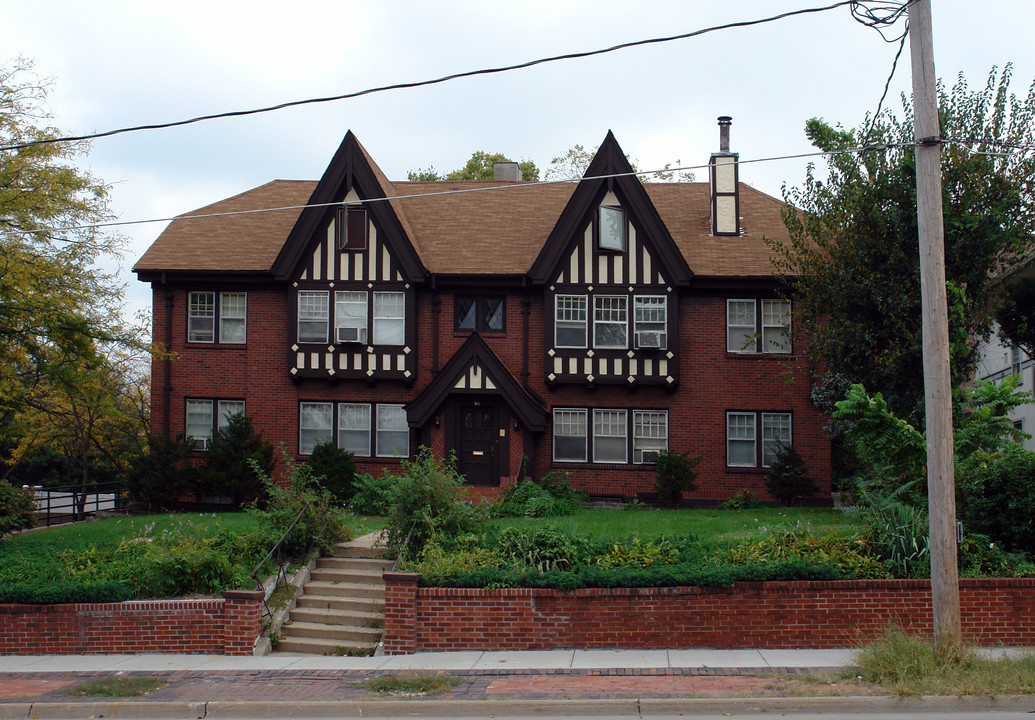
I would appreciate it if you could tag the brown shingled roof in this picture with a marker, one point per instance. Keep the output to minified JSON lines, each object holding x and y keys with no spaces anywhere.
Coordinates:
{"x":497,"y":229}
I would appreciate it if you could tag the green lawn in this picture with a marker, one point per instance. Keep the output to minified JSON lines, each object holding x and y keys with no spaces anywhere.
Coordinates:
{"x":719,"y":526}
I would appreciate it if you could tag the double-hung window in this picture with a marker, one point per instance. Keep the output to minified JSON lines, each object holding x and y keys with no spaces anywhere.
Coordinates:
{"x":313,"y":316}
{"x":393,"y":432}
{"x":354,"y":428}
{"x":569,"y":435}
{"x":204,"y":315}
{"x":610,"y":436}
{"x":570,"y":321}
{"x":650,"y":434}
{"x":350,"y":317}
{"x":389,"y":318}
{"x":650,"y":321}
{"x":610,"y":321}
{"x":205,"y":416}
{"x":743,"y":430}
{"x":315,"y":425}
{"x":758,"y":326}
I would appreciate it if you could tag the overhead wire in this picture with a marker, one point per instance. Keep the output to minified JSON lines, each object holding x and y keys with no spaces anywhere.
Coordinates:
{"x":424,"y":83}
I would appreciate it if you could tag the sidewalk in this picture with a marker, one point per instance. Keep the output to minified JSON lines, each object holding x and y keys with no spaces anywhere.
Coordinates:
{"x":499,"y":683}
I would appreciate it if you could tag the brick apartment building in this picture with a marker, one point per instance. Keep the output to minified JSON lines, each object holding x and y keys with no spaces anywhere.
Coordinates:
{"x":529,"y":327}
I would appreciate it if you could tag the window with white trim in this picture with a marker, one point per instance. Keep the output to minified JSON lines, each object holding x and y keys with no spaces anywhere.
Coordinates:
{"x":354,"y":428}
{"x":570,"y":321}
{"x":758,"y":326}
{"x":650,"y":434}
{"x":199,"y":423}
{"x":313,"y":315}
{"x":743,"y":430}
{"x":350,"y":317}
{"x":201,"y":317}
{"x":389,"y":318}
{"x":611,"y":228}
{"x":202,"y":422}
{"x":393,"y":432}
{"x":610,"y":436}
{"x":315,"y":425}
{"x":610,"y":321}
{"x":776,"y":434}
{"x":650,"y":321}
{"x":569,"y":435}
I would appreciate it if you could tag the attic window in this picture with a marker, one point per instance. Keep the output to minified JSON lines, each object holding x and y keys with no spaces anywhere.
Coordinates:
{"x":352,"y":228}
{"x":611,"y":232}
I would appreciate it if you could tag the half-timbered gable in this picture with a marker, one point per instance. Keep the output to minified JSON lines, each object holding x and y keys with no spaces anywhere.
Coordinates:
{"x":353,"y":269}
{"x":612,"y":276}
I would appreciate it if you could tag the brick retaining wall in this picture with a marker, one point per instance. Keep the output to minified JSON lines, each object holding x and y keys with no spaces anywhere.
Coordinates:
{"x":227,"y":625}
{"x":749,"y":615}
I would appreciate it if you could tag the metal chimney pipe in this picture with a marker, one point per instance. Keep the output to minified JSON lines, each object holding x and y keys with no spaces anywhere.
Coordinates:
{"x":724,"y":133}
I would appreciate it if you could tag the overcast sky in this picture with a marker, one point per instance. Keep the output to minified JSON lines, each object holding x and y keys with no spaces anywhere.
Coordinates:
{"x":117,"y":64}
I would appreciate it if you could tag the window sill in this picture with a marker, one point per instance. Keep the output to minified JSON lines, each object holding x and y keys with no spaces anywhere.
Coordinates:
{"x":760,"y":356}
{"x":574,"y":465}
{"x":215,"y":345}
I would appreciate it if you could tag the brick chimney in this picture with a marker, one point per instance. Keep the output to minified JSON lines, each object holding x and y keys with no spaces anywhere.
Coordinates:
{"x":724,"y":177}
{"x":506,"y":171}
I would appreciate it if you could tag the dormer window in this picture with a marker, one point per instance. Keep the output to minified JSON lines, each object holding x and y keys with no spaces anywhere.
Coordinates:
{"x":352,"y":228}
{"x":611,"y":228}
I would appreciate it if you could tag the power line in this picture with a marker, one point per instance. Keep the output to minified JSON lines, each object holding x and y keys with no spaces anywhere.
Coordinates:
{"x":453,"y":191}
{"x":855,"y":4}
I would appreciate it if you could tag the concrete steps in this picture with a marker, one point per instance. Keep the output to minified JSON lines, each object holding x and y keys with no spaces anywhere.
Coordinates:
{"x":340,"y":610}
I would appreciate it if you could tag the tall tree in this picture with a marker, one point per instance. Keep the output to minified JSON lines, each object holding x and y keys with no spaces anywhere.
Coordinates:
{"x":479,"y":167}
{"x":55,"y":299}
{"x":853,"y":258}
{"x":1016,"y":315}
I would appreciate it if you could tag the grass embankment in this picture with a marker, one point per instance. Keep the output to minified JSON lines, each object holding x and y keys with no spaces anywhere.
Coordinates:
{"x":709,"y":526}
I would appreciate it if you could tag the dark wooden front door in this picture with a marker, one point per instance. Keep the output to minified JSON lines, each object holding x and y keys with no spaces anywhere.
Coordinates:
{"x":477,"y":437}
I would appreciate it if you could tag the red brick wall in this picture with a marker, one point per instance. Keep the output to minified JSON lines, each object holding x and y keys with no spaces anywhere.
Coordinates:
{"x":711,"y":382}
{"x":227,"y":626}
{"x":748,"y":615}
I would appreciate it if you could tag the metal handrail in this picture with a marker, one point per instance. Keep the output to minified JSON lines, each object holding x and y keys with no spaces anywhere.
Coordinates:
{"x":280,"y":562}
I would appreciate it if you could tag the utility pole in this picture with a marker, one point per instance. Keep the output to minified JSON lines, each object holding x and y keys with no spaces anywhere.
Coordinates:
{"x":941,"y":479}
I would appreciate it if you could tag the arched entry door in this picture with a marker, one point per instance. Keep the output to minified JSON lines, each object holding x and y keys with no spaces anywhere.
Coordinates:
{"x":477,"y":441}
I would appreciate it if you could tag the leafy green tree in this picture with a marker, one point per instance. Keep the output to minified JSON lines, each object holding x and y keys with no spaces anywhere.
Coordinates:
{"x":229,"y":469}
{"x":853,"y":259}
{"x":164,"y":476}
{"x":479,"y":167}
{"x":1016,"y":315}
{"x":17,"y":509}
{"x":54,"y":295}
{"x":788,"y":477}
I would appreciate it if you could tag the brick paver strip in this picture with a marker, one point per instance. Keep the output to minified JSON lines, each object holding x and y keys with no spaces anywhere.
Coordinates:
{"x":301,"y":685}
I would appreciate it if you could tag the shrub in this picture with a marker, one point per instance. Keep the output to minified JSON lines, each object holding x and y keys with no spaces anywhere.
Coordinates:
{"x":334,"y":470}
{"x":541,"y":549}
{"x":637,"y":554}
{"x":426,"y":499}
{"x":53,"y":591}
{"x":17,"y":508}
{"x":674,"y":474}
{"x":848,"y":555}
{"x":743,"y":500}
{"x":978,"y":556}
{"x":228,"y":468}
{"x":552,"y":496}
{"x":164,"y":476}
{"x":997,"y":496}
{"x":788,"y":477}
{"x":373,"y":496}
{"x":899,"y":532}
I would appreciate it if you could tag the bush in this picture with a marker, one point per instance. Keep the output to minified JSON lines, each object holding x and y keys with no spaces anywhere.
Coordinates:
{"x":60,"y":591}
{"x":228,"y":468}
{"x":334,"y":470}
{"x":164,"y":476}
{"x":17,"y":509}
{"x":743,"y":500}
{"x":997,"y":496}
{"x":373,"y":496}
{"x":848,"y":555}
{"x":541,"y":549}
{"x":552,"y":496}
{"x":788,"y":477}
{"x":427,"y":499}
{"x":674,"y":474}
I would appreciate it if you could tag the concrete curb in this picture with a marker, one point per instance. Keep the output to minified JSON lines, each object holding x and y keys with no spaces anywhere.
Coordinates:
{"x":506,"y":708}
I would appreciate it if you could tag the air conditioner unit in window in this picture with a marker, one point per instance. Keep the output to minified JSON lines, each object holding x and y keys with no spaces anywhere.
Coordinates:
{"x":645,"y":456}
{"x":351,"y":334}
{"x":650,"y":339}
{"x":201,"y":443}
